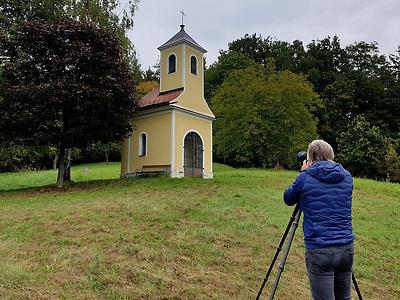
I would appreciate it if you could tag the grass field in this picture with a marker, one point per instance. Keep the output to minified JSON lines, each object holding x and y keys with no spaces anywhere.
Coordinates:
{"x":162,"y":238}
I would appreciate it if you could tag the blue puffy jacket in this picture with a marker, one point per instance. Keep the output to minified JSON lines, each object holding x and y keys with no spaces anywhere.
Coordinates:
{"x":325,"y":192}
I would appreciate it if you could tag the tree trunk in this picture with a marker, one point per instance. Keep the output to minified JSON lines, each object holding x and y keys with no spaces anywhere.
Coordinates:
{"x":67,"y":173}
{"x":55,"y":161}
{"x":106,"y":152}
{"x":61,"y":167}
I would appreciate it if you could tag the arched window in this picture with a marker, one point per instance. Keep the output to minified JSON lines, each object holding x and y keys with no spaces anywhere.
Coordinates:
{"x":193,"y":65}
{"x":171,"y":64}
{"x":143,"y":144}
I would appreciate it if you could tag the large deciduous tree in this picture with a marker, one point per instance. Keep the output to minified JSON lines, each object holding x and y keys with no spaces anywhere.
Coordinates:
{"x":227,"y":62}
{"x":263,"y":117}
{"x":66,"y":85}
{"x":116,"y":15}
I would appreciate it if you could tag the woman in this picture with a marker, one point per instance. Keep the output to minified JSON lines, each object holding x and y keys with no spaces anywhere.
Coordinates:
{"x":324,"y":191}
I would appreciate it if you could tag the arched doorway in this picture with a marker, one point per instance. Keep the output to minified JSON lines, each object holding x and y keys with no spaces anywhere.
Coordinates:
{"x":193,"y":155}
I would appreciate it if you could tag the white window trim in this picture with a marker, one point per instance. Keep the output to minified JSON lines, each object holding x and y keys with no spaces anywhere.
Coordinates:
{"x":140,"y":144}
{"x":176,"y":63}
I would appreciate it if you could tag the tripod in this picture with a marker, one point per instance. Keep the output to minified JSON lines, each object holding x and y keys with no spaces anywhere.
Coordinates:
{"x":292,"y":226}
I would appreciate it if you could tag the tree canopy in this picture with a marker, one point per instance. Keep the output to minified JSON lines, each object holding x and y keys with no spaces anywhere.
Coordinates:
{"x":262,"y":117}
{"x":66,"y":85}
{"x":227,"y":62}
{"x":351,"y":81}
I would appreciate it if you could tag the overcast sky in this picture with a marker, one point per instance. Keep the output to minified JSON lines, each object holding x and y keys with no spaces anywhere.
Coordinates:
{"x":215,"y":23}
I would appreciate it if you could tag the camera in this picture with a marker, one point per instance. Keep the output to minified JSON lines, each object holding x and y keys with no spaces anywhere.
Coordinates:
{"x":301,"y":156}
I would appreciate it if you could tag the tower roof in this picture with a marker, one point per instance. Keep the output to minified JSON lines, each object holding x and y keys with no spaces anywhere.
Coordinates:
{"x":182,"y":37}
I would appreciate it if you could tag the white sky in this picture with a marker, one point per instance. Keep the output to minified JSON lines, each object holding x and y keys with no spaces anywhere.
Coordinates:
{"x":213,"y":24}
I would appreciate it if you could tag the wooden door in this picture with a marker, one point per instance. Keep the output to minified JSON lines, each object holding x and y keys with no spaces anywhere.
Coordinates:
{"x":193,"y":155}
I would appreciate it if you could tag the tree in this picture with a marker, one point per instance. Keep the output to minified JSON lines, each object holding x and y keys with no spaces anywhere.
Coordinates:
{"x":286,"y":56}
{"x":146,"y":86}
{"x":115,"y":15}
{"x":361,"y":148}
{"x":252,"y":46}
{"x":66,"y":85}
{"x":389,"y":167}
{"x":395,"y":63}
{"x":150,"y":75}
{"x":105,"y":149}
{"x":262,"y":117}
{"x":14,"y":12}
{"x":227,"y":62}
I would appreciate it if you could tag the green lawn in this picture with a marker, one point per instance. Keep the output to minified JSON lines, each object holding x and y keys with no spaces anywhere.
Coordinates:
{"x":81,"y":173}
{"x":105,"y":238}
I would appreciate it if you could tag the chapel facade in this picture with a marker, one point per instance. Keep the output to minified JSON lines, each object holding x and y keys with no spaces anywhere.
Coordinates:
{"x":173,"y":126}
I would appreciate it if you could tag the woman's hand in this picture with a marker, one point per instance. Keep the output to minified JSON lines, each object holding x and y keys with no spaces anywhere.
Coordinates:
{"x":305,"y":165}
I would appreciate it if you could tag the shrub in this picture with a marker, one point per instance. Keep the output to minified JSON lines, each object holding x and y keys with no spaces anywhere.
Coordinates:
{"x":390,"y":165}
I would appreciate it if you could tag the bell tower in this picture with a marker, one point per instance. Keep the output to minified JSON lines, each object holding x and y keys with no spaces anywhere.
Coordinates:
{"x":173,"y":124}
{"x":182,"y":64}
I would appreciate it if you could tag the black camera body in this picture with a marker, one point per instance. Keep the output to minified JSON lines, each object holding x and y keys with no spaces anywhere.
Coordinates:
{"x":301,"y":156}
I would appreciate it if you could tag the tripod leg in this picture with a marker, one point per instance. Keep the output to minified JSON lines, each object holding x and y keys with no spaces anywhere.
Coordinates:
{"x":356,"y":286}
{"x":285,"y":254}
{"x":292,"y":218}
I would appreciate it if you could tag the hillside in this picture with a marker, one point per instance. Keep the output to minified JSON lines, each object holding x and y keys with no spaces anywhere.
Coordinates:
{"x":105,"y":238}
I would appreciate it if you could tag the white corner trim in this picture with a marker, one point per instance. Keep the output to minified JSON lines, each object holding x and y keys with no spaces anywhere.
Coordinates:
{"x":129,"y":155}
{"x":183,"y":66}
{"x":173,"y":142}
{"x":177,"y":174}
{"x":161,"y":72}
{"x":202,"y":79}
{"x":208,"y":175}
{"x":211,"y":147}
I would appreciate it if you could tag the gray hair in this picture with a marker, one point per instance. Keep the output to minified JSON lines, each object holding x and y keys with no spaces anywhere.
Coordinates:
{"x":319,"y":150}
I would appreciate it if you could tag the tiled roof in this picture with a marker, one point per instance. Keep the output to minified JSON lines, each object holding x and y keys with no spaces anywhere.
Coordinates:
{"x":182,"y":37}
{"x":154,"y":97}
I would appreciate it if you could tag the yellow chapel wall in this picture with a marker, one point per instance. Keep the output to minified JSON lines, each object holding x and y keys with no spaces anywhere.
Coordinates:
{"x":184,"y":124}
{"x":195,"y":82}
{"x":158,"y":130}
{"x":174,"y":80}
{"x":193,"y":97}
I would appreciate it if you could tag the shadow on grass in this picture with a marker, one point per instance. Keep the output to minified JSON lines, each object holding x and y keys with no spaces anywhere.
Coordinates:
{"x":101,"y":184}
{"x":71,"y":187}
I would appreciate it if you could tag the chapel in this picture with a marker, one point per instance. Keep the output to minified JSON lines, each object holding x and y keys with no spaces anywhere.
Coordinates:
{"x":173,"y":126}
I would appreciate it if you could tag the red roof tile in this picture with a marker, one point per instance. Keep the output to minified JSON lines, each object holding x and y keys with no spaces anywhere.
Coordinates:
{"x":156,"y":98}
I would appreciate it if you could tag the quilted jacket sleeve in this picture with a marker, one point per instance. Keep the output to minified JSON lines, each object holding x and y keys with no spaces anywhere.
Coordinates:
{"x":293,"y":192}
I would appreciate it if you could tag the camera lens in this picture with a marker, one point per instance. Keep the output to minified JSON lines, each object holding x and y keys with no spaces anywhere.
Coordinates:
{"x":301,"y":156}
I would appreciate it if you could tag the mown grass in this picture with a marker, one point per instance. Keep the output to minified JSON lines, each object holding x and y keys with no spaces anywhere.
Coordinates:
{"x":80,"y":173}
{"x":165,"y":238}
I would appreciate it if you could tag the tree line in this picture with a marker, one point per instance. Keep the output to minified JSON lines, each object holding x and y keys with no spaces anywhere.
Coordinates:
{"x":67,"y":69}
{"x":264,"y":116}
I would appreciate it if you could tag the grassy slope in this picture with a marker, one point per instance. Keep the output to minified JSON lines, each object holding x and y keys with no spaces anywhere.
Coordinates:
{"x":155,"y":238}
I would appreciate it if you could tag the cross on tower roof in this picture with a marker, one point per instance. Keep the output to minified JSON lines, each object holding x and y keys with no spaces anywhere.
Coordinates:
{"x":183,"y":15}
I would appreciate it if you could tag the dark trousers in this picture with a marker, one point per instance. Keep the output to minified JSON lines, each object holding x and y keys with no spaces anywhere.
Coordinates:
{"x":329,"y":271}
